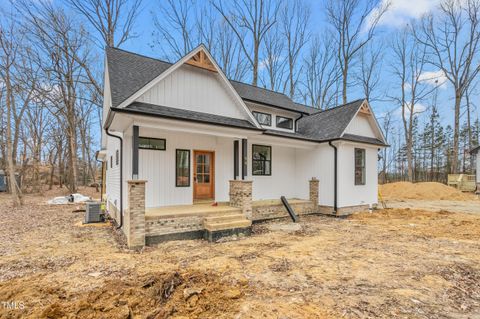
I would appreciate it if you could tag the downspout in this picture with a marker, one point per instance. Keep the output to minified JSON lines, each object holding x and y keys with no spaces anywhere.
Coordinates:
{"x":296,"y":122}
{"x":121,"y":175}
{"x":335,"y":150}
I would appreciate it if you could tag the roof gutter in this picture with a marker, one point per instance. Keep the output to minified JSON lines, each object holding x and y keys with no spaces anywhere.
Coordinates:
{"x":335,"y":174}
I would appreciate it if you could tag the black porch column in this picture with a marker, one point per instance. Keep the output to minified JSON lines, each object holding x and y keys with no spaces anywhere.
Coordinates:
{"x":135,"y":153}
{"x":244,"y":158}
{"x":236,"y":149}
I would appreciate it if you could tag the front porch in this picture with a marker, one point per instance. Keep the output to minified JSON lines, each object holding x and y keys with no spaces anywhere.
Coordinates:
{"x":193,"y":221}
{"x":149,"y":226}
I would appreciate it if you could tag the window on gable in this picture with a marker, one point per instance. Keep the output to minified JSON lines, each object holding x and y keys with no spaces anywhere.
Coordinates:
{"x":116,"y":157}
{"x":182,"y":168}
{"x":149,"y":143}
{"x":284,"y":122}
{"x":359,"y":166}
{"x":261,"y":160}
{"x":263,"y":118}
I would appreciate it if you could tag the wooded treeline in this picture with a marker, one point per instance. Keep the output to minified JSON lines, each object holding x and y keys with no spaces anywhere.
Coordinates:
{"x":51,"y":64}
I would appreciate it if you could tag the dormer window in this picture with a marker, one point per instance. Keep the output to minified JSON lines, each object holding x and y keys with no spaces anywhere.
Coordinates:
{"x":284,"y":122}
{"x":263,"y":118}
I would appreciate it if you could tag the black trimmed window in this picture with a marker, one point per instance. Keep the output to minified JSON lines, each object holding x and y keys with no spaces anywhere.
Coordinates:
{"x":111,"y":161}
{"x":263,"y":118}
{"x":359,"y":166}
{"x":284,"y":122}
{"x":182,"y":168}
{"x":150,"y":143}
{"x":116,"y":157}
{"x":261,"y":160}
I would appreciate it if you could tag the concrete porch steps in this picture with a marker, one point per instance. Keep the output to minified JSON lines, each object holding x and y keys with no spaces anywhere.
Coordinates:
{"x":215,"y":226}
{"x":225,"y":225}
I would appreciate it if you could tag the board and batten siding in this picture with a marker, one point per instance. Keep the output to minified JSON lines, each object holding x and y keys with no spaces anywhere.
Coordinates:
{"x":283,"y":174}
{"x":158,"y":167}
{"x":360,"y":125}
{"x":195,"y":89}
{"x":350,"y":194}
{"x":478,"y":165}
{"x":318,"y":163}
{"x":112,"y":173}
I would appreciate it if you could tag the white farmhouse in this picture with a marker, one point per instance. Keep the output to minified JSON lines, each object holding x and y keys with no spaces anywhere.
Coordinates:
{"x":189,"y":153}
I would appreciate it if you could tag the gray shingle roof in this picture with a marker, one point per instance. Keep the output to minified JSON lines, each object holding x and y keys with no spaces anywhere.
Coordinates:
{"x":328,"y":124}
{"x":185,"y":115}
{"x":264,"y":96}
{"x":129,"y":72}
{"x":362,"y":139}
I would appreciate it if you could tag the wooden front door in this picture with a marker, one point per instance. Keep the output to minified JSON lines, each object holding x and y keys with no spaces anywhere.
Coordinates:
{"x":203,"y":175}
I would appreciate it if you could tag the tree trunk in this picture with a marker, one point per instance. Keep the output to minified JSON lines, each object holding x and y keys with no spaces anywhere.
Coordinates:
{"x":12,"y":182}
{"x":344,"y":83}
{"x":458,"y":99}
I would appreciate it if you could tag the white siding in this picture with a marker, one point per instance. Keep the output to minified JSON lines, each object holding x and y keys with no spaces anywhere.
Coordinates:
{"x":478,"y":165}
{"x":317,"y":163}
{"x":158,"y":167}
{"x":350,"y":194}
{"x":195,"y":89}
{"x":360,"y":125}
{"x":113,"y":173}
{"x":282,"y":180}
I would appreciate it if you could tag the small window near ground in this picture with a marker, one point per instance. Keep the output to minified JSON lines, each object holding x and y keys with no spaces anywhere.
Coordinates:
{"x":261,"y":160}
{"x":284,"y":122}
{"x":182,"y":168}
{"x":263,"y":118}
{"x":359,"y":166}
{"x":116,"y":157}
{"x":149,"y":143}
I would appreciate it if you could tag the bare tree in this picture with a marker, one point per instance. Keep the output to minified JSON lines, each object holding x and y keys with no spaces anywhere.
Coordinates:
{"x":294,"y":18}
{"x":9,"y":52}
{"x":63,"y":53}
{"x":354,"y":23}
{"x":409,"y":60}
{"x":229,"y":53}
{"x":250,"y":20}
{"x":321,"y":74}
{"x":273,"y":62}
{"x":174,"y":27}
{"x":452,"y":36}
{"x":370,"y":70}
{"x":112,"y":19}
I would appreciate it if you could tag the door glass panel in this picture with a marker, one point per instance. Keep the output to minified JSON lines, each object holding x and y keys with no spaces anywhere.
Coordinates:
{"x":199,"y":169}
{"x":200,"y":178}
{"x":207,"y":179}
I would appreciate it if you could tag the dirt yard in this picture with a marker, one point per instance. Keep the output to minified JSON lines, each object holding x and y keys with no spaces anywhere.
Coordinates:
{"x":429,"y":196}
{"x":396,"y":263}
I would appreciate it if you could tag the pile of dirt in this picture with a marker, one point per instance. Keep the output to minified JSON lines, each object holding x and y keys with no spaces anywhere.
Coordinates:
{"x":154,"y":295}
{"x":427,"y":191}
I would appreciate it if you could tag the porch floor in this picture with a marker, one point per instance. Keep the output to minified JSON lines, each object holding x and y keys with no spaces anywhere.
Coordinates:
{"x":189,"y":210}
{"x":206,"y":209}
